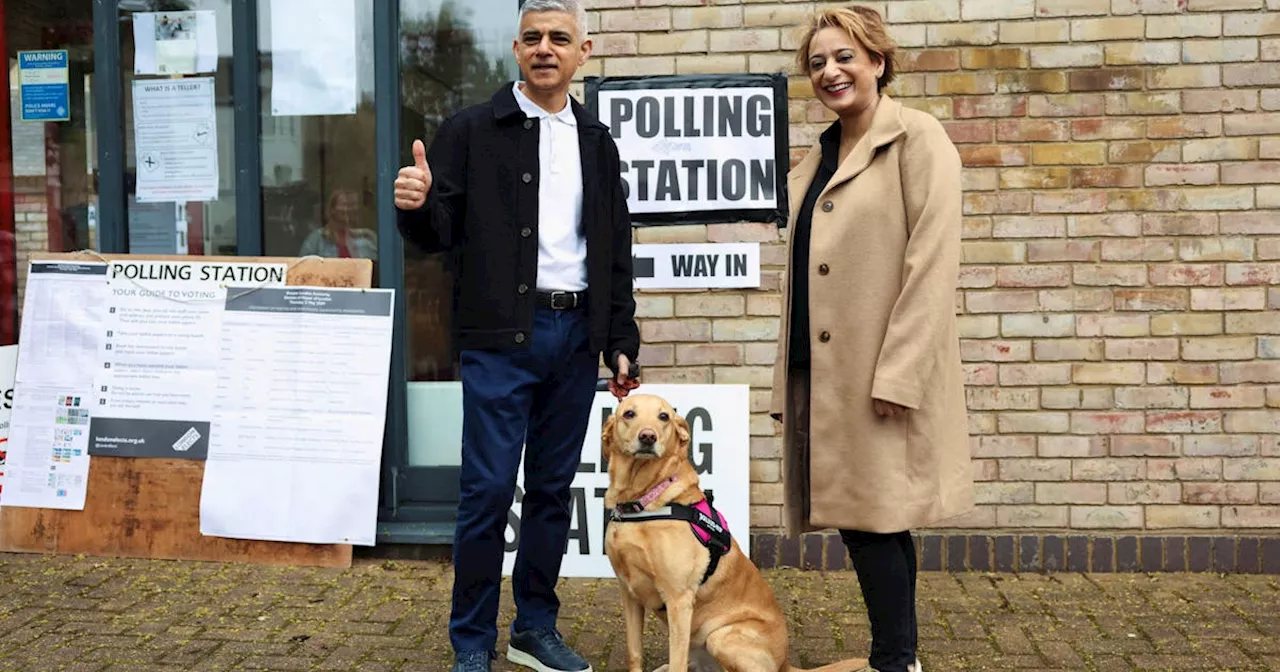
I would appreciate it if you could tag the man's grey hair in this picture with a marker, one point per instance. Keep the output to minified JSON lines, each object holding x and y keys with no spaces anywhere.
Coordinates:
{"x":573,"y":7}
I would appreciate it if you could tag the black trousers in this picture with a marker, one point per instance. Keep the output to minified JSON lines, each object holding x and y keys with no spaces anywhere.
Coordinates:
{"x":886,"y":568}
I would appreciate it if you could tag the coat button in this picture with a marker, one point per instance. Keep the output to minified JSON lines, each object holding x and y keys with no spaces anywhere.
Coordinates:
{"x":526,"y":232}
{"x":528,"y":123}
{"x":823,"y":269}
{"x":520,"y":337}
{"x":523,"y":288}
{"x":527,"y":178}
{"x":824,"y":336}
{"x":827,"y":206}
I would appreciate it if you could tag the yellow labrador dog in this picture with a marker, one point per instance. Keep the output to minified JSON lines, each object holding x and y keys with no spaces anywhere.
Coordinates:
{"x":673,"y":554}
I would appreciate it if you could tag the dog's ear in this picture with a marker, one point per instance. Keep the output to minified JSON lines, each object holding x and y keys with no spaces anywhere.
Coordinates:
{"x":682,"y":430}
{"x":608,"y":437}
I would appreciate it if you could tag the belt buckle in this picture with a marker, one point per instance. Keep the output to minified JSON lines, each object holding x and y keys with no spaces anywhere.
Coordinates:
{"x":556,"y":294}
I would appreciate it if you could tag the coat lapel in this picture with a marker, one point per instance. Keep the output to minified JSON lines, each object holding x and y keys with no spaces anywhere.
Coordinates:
{"x":886,"y":126}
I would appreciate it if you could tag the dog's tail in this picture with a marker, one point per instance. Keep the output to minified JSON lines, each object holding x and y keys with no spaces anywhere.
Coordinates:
{"x":847,"y":665}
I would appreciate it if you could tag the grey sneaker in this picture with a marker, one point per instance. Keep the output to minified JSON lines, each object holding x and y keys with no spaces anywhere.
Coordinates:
{"x":544,"y":650}
{"x":473,"y":661}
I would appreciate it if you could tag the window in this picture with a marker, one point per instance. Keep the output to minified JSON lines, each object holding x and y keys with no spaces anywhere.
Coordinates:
{"x":319,"y":170}
{"x":453,"y":54}
{"x":48,"y":189}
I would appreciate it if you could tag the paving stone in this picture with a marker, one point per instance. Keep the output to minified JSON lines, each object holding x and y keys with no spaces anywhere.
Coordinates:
{"x":101,"y":615}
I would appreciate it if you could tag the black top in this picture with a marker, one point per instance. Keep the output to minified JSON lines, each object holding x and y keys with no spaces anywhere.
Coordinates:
{"x":799,"y":338}
{"x":483,"y":208}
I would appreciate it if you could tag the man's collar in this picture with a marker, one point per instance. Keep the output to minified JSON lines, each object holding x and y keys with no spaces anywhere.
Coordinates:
{"x":534,"y":111}
{"x":505,"y":108}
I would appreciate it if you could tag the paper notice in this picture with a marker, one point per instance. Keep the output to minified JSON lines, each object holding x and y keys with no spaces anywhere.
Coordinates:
{"x":47,"y":463}
{"x":154,"y":390}
{"x":298,"y":416}
{"x":175,"y":43}
{"x":313,"y":57}
{"x":8,"y":367}
{"x":176,"y":140}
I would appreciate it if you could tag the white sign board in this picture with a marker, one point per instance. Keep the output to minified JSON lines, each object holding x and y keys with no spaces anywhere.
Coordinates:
{"x":175,"y":43}
{"x":687,"y":148}
{"x":695,"y":265}
{"x":719,"y":421}
{"x":313,"y":57}
{"x":8,"y":368}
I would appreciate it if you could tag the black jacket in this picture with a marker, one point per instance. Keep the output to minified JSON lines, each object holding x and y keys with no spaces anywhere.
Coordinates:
{"x":483,"y":208}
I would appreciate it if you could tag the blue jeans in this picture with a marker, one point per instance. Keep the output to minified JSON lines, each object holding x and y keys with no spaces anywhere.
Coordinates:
{"x":539,"y":398}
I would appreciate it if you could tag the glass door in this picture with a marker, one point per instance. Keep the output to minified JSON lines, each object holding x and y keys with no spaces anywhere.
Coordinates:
{"x":48,"y":176}
{"x":452,"y":54}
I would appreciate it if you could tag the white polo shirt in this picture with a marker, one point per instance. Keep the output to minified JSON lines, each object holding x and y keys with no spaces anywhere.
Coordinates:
{"x":562,"y":247}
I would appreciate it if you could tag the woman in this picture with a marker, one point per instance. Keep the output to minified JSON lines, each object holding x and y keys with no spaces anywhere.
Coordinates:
{"x":869,"y":331}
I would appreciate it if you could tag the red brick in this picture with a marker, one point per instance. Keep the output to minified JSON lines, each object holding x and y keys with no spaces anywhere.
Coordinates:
{"x":1106,"y":79}
{"x":1071,"y":105}
{"x":1034,"y":374}
{"x":1234,"y":373}
{"x":1094,"y":226}
{"x":1184,"y":275}
{"x":929,"y":60}
{"x":1219,"y":101}
{"x":1028,"y":227}
{"x":1228,"y":397}
{"x":989,"y":106}
{"x":1086,"y":178}
{"x":1249,"y":223}
{"x":1229,"y":299}
{"x":1073,"y":202}
{"x":1253,"y":274}
{"x":708,"y":353}
{"x":976,"y":277}
{"x":1151,"y":299}
{"x":1224,"y":445}
{"x":1000,"y":58}
{"x":1178,"y":174}
{"x":1056,"y":177}
{"x":1033,"y":276}
{"x":1032,"y":130}
{"x":1152,"y":249}
{"x":1144,"y":349}
{"x":1256,"y":172}
{"x":1108,"y":129}
{"x":1110,"y":275}
{"x":1185,"y":422}
{"x":1031,"y":81}
{"x":1144,"y":152}
{"x":1185,"y":127}
{"x":1144,"y":446}
{"x":999,"y":155}
{"x":1002,"y":301}
{"x":970,"y":131}
{"x":988,"y":350}
{"x":1069,"y":250}
{"x":996,"y":203}
{"x":1125,"y":326}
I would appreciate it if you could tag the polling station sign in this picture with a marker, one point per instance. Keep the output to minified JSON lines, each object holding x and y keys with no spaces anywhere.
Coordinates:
{"x":719,"y":418}
{"x":698,"y":148}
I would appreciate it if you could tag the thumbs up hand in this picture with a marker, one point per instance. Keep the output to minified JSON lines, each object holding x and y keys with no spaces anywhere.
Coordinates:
{"x":414,"y":181}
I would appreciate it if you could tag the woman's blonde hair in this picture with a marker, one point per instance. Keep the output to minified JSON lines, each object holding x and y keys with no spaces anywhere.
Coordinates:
{"x":863,"y":24}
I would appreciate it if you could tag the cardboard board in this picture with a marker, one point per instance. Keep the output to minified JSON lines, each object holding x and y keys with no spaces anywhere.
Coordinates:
{"x":150,"y":508}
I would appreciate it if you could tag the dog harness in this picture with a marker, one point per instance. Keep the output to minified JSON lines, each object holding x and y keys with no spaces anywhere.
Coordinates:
{"x":708,"y":524}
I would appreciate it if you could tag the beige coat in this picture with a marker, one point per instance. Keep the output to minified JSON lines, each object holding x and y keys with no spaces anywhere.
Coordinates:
{"x":884,"y":262}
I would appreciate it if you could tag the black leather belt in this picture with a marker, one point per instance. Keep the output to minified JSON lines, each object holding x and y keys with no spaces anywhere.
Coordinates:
{"x":561,"y":300}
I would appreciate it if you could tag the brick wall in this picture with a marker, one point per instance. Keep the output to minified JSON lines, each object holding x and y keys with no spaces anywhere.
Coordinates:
{"x":1121,"y":255}
{"x":32,"y":225}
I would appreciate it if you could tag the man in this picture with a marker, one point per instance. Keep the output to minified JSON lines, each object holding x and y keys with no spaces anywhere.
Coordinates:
{"x":525,"y":190}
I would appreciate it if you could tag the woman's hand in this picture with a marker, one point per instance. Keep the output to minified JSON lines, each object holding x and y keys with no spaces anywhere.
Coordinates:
{"x":888,"y":409}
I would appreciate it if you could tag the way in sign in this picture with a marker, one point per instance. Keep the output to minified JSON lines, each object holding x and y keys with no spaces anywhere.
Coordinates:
{"x":706,"y":265}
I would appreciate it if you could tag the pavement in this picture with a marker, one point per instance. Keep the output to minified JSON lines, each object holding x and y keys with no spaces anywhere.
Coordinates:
{"x":89,"y":614}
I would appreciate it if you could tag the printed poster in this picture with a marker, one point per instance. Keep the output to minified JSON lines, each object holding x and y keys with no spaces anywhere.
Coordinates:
{"x":176,"y":140}
{"x":175,"y":43}
{"x":313,"y":57}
